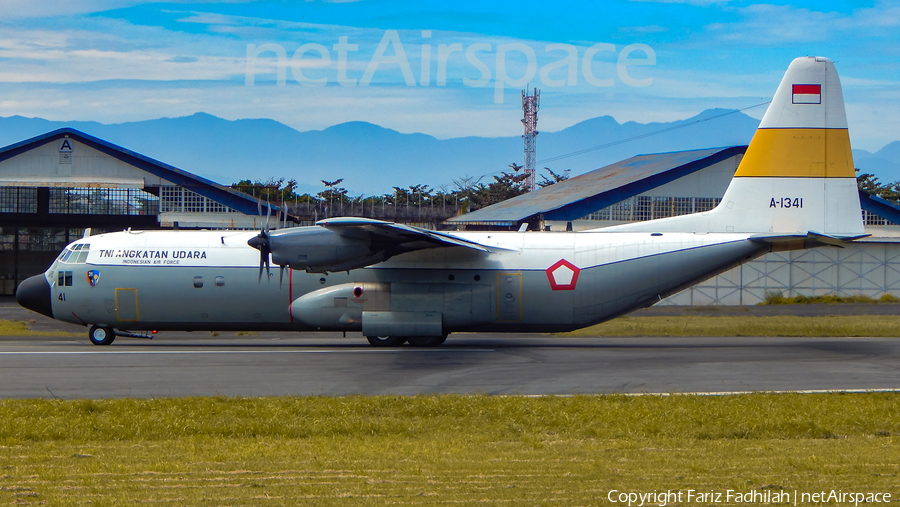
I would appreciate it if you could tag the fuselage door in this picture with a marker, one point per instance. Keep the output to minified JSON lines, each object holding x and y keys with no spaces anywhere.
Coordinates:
{"x":509,"y":297}
{"x":127,"y":305}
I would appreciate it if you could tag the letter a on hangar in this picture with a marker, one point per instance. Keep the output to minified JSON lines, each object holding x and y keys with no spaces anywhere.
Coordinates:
{"x":563,"y":275}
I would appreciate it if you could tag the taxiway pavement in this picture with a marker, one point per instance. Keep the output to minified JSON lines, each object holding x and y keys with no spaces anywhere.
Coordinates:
{"x":326,"y":364}
{"x":265,"y":364}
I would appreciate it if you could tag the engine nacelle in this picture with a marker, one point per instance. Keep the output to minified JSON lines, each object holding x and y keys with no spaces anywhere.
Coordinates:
{"x":363,"y":307}
{"x":317,"y":250}
{"x":341,"y":306}
{"x":395,"y":309}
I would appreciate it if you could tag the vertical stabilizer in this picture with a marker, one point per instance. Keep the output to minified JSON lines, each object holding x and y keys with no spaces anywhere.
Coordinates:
{"x":800,"y":159}
{"x":797,"y":175}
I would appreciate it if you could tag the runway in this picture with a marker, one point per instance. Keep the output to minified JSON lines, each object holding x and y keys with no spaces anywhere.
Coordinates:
{"x":188,"y":364}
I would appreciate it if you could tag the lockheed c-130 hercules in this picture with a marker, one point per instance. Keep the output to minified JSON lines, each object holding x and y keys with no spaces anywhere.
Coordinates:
{"x":795,"y":188}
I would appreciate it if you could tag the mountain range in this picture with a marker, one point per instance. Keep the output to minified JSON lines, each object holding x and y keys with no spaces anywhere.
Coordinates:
{"x":884,"y":163}
{"x":373,"y":159}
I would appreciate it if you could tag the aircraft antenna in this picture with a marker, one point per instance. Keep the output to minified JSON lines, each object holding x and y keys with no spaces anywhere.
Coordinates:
{"x":530,"y":105}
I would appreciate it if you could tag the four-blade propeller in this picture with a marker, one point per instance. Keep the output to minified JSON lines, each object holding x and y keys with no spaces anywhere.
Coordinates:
{"x":261,"y":243}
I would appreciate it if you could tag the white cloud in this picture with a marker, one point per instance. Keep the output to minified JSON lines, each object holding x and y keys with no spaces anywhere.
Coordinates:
{"x":25,"y":9}
{"x":861,"y":82}
{"x":770,"y":25}
{"x":884,"y":14}
{"x":644,"y":29}
{"x":775,"y":25}
{"x":274,"y":29}
{"x":84,"y":65}
{"x":701,"y":3}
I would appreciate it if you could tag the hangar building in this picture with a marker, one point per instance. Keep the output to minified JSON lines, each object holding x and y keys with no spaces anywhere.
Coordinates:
{"x":54,"y":186}
{"x":639,"y":188}
{"x":661,"y":185}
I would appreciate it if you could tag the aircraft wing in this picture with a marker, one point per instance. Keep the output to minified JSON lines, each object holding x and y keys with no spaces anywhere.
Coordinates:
{"x":346,"y":243}
{"x":398,"y":236}
{"x":810,"y":239}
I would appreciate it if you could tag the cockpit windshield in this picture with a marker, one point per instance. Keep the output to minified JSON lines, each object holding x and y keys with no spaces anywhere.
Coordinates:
{"x":75,"y":254}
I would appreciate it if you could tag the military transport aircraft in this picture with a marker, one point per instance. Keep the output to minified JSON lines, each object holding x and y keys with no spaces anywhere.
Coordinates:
{"x":795,"y":188}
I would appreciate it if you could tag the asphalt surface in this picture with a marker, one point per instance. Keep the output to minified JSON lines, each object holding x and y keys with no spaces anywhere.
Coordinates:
{"x":183,"y":364}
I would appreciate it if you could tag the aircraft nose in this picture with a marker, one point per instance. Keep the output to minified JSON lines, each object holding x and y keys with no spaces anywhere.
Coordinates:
{"x":34,"y":294}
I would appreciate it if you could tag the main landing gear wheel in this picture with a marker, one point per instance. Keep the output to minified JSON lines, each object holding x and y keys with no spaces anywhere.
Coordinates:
{"x":101,"y":335}
{"x":386,"y":341}
{"x":426,"y":341}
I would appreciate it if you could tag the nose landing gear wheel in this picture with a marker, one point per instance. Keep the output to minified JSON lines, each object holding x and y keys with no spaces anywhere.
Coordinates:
{"x":101,"y":335}
{"x":386,"y":341}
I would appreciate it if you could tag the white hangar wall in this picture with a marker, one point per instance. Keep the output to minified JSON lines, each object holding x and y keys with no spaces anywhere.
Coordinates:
{"x":866,"y":268}
{"x":69,"y":163}
{"x":698,"y":191}
{"x":711,"y":181}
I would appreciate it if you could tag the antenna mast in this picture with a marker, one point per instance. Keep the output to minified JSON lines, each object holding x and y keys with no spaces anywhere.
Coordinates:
{"x":530,"y":106}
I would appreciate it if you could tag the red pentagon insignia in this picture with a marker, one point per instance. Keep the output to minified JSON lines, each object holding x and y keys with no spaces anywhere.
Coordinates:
{"x":563,"y":275}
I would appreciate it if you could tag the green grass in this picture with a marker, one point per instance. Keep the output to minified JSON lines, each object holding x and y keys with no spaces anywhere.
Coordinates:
{"x":13,"y":328}
{"x":731,"y":325}
{"x":777,"y":298}
{"x":745,"y":325}
{"x":456,"y":450}
{"x":20,"y":328}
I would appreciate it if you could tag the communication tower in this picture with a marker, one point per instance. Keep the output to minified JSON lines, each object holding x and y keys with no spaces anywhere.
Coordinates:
{"x":530,"y":106}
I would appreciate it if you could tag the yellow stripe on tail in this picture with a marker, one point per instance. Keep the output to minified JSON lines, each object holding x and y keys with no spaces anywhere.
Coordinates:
{"x":798,"y":153}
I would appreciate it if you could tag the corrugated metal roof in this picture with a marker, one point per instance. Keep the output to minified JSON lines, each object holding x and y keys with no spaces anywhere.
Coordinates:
{"x":878,"y":206}
{"x":579,"y":196}
{"x":229,"y":197}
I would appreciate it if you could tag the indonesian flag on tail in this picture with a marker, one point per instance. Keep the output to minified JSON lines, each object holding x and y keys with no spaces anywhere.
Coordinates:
{"x":807,"y":94}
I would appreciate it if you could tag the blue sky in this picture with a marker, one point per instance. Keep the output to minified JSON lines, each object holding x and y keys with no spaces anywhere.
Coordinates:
{"x":127,"y":60}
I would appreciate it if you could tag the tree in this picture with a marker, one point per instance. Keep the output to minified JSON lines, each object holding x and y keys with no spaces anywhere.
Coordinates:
{"x":469,"y":191}
{"x":869,"y":184}
{"x":466,"y":188}
{"x":332,"y":184}
{"x":414,"y":195}
{"x":421,"y":194}
{"x":271,"y":190}
{"x":506,"y":186}
{"x":546,"y":182}
{"x":332,"y":194}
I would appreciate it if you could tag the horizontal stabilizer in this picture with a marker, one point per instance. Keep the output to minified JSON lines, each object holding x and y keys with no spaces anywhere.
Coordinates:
{"x":810,"y":239}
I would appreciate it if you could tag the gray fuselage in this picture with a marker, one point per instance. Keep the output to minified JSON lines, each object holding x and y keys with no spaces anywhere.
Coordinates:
{"x":537,"y":282}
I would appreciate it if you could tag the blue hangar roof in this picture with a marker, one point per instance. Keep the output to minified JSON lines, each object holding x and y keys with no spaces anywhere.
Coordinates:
{"x":229,"y":197}
{"x":878,"y":206}
{"x":581,"y":195}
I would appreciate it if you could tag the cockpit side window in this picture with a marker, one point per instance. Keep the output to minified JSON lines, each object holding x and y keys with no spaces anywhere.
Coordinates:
{"x":64,"y":279}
